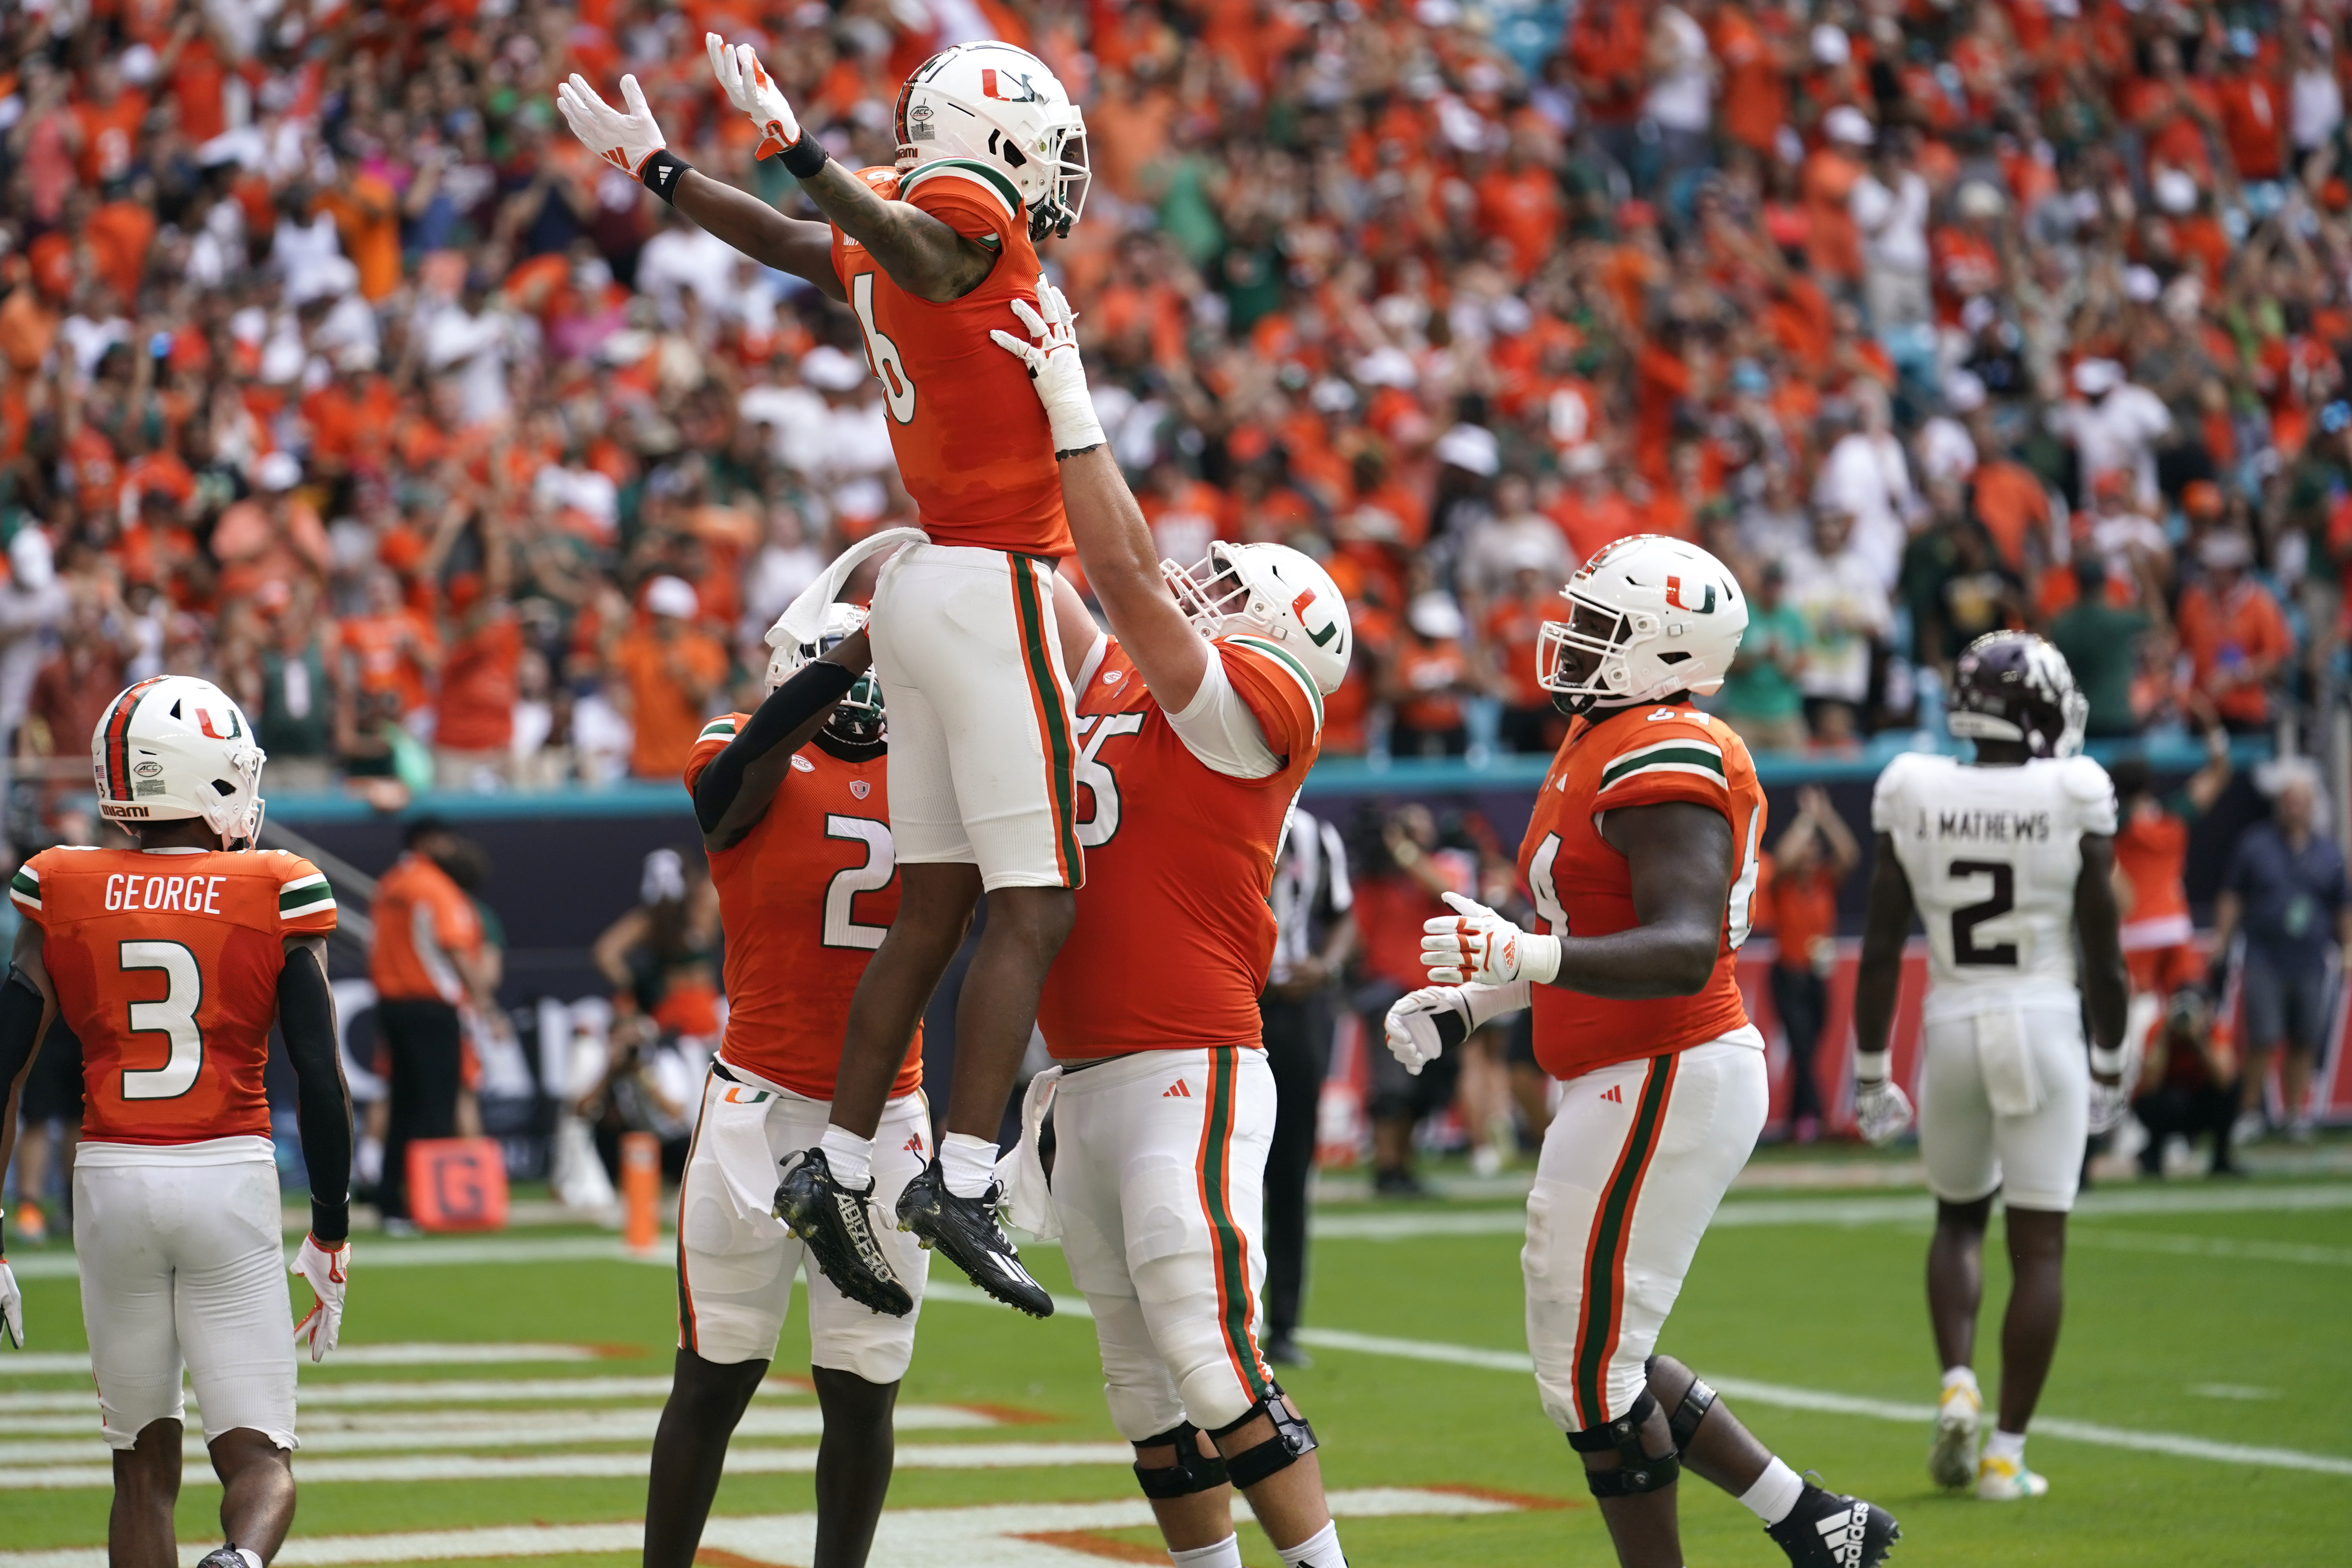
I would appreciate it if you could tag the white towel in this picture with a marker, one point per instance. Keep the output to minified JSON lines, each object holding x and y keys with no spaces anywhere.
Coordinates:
{"x":1029,"y":1198}
{"x":735,"y":1127}
{"x":2012,"y":1081}
{"x":803,"y":618}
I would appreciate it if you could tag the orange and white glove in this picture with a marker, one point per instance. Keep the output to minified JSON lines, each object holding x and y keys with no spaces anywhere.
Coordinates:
{"x":750,"y":87}
{"x":328,"y":1269}
{"x":1055,"y":373}
{"x":624,"y":138}
{"x":1475,"y":946}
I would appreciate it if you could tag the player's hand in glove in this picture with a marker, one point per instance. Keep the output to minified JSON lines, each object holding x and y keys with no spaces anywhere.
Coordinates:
{"x":326,"y":1269}
{"x":750,"y":87}
{"x":12,"y":1307}
{"x":1881,"y":1109}
{"x":1051,"y":352}
{"x":1427,"y":1024}
{"x":1475,"y":946}
{"x":2108,"y":1102}
{"x":623,"y":139}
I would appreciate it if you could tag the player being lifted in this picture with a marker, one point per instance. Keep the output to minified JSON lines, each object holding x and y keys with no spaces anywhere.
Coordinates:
{"x":794,"y":810}
{"x":928,"y":255}
{"x":1642,"y":857}
{"x":171,"y":962}
{"x":1198,"y":722}
{"x":2009,"y":861}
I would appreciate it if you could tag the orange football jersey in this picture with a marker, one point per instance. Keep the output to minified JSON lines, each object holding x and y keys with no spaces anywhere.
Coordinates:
{"x":974,"y":446}
{"x":1639,"y":756}
{"x":1174,"y":934}
{"x":804,"y":899}
{"x":165,"y":964}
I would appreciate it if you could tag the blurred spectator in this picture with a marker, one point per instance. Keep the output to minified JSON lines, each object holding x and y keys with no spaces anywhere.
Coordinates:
{"x":2235,"y":636}
{"x":1510,"y":636}
{"x":1428,"y":679}
{"x":662,"y":957}
{"x":1812,"y":859}
{"x":428,"y":963}
{"x":2188,"y":1086}
{"x":1761,"y":698}
{"x":1399,"y":892}
{"x":672,"y":672}
{"x":2159,"y":942}
{"x":2100,"y":640}
{"x":2285,"y":890}
{"x":1838,"y":591}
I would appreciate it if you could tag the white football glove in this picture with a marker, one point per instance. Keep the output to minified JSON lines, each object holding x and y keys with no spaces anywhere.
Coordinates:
{"x":1475,"y":946}
{"x":1424,"y":1025}
{"x":623,"y":139}
{"x":328,"y":1270}
{"x":2108,"y":1103}
{"x":1051,"y":352}
{"x":751,"y":89}
{"x":12,"y":1307}
{"x":1881,"y":1109}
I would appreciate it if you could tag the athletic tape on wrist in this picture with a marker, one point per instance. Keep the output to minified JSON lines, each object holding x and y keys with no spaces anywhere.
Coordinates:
{"x":662,"y":172}
{"x":2108,"y":1060}
{"x":1870,"y":1066}
{"x":804,"y":157}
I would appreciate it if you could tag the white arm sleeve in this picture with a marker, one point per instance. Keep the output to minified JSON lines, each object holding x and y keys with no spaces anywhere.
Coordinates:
{"x":1218,"y":727}
{"x":1490,"y":1001}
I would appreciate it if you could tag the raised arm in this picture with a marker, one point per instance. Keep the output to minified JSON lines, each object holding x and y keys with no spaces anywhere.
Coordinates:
{"x":734,"y":792}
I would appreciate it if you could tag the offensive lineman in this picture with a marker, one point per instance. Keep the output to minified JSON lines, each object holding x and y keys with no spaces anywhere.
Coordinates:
{"x":1198,"y":722}
{"x":2007,"y":861}
{"x":171,"y":962}
{"x":929,"y":254}
{"x":794,"y":805}
{"x":1646,"y":839}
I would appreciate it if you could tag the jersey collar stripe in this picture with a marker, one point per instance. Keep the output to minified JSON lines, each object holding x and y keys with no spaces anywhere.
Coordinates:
{"x":118,"y":739}
{"x":1291,"y":666}
{"x":1228,"y":1250}
{"x":1694,"y":757}
{"x":971,"y":169}
{"x":1053,"y":718}
{"x":1602,"y":1314}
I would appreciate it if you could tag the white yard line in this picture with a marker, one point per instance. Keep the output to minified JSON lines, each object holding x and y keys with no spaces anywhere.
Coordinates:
{"x":1000,"y":1536}
{"x":422,"y":1354}
{"x":424,"y":1391}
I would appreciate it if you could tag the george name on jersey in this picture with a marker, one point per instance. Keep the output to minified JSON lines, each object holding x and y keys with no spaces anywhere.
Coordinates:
{"x":127,"y":890}
{"x":1992,"y":826}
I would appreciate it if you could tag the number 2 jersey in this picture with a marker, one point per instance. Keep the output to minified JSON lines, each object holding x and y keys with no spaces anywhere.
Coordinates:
{"x":1993,"y":855}
{"x":805,"y":898}
{"x":165,"y":964}
{"x":974,"y":446}
{"x":1174,"y":935}
{"x":1582,"y":887}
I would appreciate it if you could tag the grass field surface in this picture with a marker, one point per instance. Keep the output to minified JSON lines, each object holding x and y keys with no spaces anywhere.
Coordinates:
{"x":495,"y":1396}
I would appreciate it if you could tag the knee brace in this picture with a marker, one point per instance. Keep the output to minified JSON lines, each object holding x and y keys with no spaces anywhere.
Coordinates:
{"x":1637,"y":1471}
{"x":1292,"y":1438}
{"x":1193,"y":1471}
{"x":1682,"y":1424}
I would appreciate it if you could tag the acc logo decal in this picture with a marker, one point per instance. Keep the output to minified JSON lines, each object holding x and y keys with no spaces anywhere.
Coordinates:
{"x":150,"y":769}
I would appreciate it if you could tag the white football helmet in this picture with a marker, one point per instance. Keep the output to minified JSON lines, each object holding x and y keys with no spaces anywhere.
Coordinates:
{"x":856,"y":720}
{"x":174,"y":747}
{"x":1272,"y":592}
{"x":999,"y":107}
{"x":1673,"y":616}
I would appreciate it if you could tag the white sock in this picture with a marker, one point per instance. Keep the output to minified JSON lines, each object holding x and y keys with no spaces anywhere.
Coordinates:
{"x":367,"y":1161}
{"x":1225,"y":1554}
{"x":1775,"y":1493}
{"x":969,"y":1162}
{"x":1320,"y":1550}
{"x":850,"y":1156}
{"x":252,"y":1557}
{"x":2010,"y":1446}
{"x":1962,"y":1377}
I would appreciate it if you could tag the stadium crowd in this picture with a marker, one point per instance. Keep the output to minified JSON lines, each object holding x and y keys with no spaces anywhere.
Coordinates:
{"x":333,"y":367}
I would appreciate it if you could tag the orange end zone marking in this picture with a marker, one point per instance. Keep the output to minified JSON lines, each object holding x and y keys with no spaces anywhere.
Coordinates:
{"x":786,"y":1380}
{"x":1527,"y":1500}
{"x":608,"y":1349}
{"x":718,"y":1559}
{"x":1010,"y":1415}
{"x":1093,"y":1545}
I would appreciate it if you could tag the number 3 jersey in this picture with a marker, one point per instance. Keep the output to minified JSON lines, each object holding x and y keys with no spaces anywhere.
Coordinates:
{"x":1993,"y":855}
{"x":805,"y":898}
{"x":1582,"y":887}
{"x":974,"y":446}
{"x":165,"y":964}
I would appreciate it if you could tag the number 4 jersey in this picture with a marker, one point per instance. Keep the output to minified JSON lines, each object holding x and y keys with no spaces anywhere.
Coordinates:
{"x":1993,"y":855}
{"x":1582,"y":886}
{"x":165,"y":964}
{"x":805,"y":898}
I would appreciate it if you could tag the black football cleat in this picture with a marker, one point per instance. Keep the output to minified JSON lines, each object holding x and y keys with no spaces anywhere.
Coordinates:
{"x":221,"y":1557}
{"x":965,"y":1231}
{"x":1828,"y":1530}
{"x":836,"y":1221}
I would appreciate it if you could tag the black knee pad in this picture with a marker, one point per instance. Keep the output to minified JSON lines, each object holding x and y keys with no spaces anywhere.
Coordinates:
{"x":1193,"y":1471}
{"x":1293,"y":1439}
{"x":1637,"y":1471}
{"x":1696,"y":1401}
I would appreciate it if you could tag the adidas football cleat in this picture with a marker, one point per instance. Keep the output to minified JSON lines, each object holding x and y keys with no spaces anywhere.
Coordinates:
{"x":1952,"y":1458}
{"x":966,"y":1232}
{"x":221,"y":1557}
{"x":1827,"y":1529}
{"x":2007,"y":1480}
{"x":837,"y":1224}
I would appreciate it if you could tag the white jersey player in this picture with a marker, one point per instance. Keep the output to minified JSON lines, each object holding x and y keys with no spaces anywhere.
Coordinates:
{"x":2008,"y":860}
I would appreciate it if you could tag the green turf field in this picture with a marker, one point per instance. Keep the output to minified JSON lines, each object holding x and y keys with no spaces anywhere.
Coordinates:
{"x":2196,"y":1414}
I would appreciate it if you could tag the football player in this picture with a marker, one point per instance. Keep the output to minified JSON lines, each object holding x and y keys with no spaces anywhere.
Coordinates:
{"x":1198,"y":721}
{"x":928,"y":254}
{"x":793,"y":803}
{"x":1642,"y":857}
{"x":171,"y":962}
{"x":2009,"y":861}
